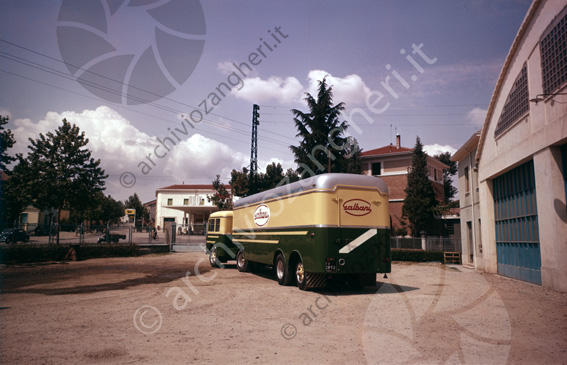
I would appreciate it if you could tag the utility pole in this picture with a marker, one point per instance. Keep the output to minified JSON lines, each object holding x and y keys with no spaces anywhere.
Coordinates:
{"x":254,"y":150}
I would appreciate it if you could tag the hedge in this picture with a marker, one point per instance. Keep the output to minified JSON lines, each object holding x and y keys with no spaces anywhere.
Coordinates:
{"x":52,"y":252}
{"x":416,"y":255}
{"x":27,"y":253}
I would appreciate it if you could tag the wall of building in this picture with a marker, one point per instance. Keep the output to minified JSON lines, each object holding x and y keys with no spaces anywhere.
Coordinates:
{"x":194,"y":198}
{"x":469,"y":209}
{"x":536,"y":136}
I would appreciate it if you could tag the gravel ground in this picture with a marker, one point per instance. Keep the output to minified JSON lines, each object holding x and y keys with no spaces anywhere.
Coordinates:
{"x":173,"y":308}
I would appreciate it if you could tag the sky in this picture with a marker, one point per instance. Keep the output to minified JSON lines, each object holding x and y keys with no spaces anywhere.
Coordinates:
{"x":164,"y":89}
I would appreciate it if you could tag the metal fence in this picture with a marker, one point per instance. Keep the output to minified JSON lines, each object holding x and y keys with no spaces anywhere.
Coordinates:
{"x":430,"y":243}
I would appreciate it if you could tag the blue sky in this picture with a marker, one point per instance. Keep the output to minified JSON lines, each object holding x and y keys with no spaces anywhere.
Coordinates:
{"x":417,"y":68}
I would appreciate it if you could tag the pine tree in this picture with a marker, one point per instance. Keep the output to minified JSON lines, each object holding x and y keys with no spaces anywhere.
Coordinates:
{"x":420,"y":202}
{"x":322,"y":134}
{"x":448,"y":187}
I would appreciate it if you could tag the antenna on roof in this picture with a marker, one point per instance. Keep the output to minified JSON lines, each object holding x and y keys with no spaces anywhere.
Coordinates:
{"x":390,"y":134}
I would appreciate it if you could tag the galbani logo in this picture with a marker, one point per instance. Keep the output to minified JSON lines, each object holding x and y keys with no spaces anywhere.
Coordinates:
{"x":261,"y":215}
{"x":357,"y":207}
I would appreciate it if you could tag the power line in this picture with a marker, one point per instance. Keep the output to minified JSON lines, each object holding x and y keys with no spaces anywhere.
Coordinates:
{"x":104,"y":88}
{"x":153,"y":116}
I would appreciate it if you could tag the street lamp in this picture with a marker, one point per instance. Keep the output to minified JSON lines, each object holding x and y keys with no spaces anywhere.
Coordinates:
{"x":540,"y":97}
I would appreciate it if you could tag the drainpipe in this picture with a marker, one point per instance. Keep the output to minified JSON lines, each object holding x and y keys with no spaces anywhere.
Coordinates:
{"x":474,"y":235}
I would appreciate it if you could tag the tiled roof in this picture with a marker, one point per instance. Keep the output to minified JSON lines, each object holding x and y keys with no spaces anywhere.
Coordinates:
{"x":191,"y":187}
{"x":385,"y":150}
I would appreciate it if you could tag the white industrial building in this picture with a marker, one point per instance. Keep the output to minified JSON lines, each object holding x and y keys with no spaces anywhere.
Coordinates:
{"x":517,"y":224}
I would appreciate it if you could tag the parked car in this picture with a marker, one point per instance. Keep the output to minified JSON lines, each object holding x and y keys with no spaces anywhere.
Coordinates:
{"x":13,"y":235}
{"x":44,"y":230}
{"x":114,"y":237}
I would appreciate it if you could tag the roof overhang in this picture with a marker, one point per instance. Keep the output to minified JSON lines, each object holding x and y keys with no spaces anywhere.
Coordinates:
{"x":466,"y":148}
{"x":385,"y":155}
{"x":192,"y":208}
{"x":500,"y":82}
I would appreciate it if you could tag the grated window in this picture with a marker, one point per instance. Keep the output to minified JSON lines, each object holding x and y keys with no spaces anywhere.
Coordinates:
{"x":553,"y":46}
{"x":517,"y":103}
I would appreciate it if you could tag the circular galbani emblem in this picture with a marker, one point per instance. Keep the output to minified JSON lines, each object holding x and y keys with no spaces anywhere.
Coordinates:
{"x":261,"y":215}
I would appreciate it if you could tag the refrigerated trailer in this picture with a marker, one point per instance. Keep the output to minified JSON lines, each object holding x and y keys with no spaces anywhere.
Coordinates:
{"x":319,"y":228}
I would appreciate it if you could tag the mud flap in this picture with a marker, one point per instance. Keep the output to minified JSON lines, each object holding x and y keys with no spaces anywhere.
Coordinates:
{"x":316,"y":280}
{"x":368,"y":279}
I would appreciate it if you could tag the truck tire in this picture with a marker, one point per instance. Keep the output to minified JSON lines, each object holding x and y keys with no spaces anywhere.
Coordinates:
{"x":300,"y":276}
{"x":241,"y":262}
{"x":282,"y":272}
{"x":213,"y":259}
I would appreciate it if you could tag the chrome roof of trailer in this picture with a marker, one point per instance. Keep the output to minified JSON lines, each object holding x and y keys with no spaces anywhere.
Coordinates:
{"x":318,"y":182}
{"x":221,"y":214}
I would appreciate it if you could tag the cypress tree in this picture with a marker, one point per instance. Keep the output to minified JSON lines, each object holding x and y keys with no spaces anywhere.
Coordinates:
{"x":420,"y":202}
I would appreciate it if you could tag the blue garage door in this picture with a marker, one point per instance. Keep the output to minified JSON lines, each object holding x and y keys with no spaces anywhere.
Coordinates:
{"x":517,"y":235}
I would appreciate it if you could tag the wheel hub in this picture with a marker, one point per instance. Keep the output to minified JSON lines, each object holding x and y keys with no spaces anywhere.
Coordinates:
{"x":300,"y":273}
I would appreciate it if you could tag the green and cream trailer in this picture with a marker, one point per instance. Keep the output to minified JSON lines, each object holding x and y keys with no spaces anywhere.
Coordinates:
{"x":326,"y":226}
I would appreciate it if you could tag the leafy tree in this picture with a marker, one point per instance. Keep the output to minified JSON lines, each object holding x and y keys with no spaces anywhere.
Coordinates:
{"x":134,"y":202}
{"x":62,"y":174}
{"x":6,"y":141}
{"x":273,"y":177}
{"x":420,"y":202}
{"x":322,"y":134}
{"x":104,"y":209}
{"x":448,"y":187}
{"x":240,"y":182}
{"x":222,"y":198}
{"x":16,"y":194}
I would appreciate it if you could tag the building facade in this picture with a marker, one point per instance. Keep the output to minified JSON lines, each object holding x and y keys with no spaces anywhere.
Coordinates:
{"x":468,"y":200}
{"x":186,"y":205}
{"x":391,"y":164}
{"x":522,"y":154}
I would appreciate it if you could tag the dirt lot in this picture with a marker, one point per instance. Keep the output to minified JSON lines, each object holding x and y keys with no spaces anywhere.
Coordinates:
{"x":174,"y":309}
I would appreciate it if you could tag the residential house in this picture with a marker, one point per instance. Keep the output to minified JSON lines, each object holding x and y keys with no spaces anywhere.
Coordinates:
{"x":391,"y":163}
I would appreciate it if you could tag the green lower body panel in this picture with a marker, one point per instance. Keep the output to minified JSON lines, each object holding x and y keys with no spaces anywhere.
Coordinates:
{"x":226,"y":249}
{"x":322,"y":250}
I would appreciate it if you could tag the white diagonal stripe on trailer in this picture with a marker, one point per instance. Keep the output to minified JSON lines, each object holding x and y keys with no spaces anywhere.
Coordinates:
{"x":359,"y":240}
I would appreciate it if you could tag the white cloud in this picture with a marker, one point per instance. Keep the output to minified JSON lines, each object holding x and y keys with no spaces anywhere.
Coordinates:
{"x":202,"y":156}
{"x":477,"y":116}
{"x":289,"y":164}
{"x":225,"y":67}
{"x":5,"y":113}
{"x":350,"y":89}
{"x":288,"y":90}
{"x":436,"y":149}
{"x":122,"y":147}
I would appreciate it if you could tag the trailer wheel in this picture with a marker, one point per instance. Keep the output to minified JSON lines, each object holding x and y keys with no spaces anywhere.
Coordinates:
{"x":241,"y":262}
{"x":282,"y":272}
{"x":301,"y":276}
{"x":213,"y":258}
